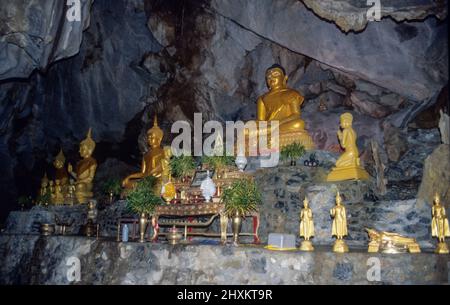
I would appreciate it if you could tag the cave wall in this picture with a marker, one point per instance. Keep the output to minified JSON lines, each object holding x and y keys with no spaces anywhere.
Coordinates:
{"x":127,"y":60}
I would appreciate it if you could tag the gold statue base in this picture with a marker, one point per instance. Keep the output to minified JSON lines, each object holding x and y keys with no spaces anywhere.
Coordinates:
{"x":300,"y":136}
{"x":340,"y":246}
{"x":306,"y":245}
{"x":442,"y":248}
{"x":347,"y":173}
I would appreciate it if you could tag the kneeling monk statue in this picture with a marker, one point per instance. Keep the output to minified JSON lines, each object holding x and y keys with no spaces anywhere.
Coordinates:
{"x":151,"y":162}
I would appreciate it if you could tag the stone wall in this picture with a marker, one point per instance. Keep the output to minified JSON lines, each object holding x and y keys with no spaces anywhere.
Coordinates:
{"x":43,"y":260}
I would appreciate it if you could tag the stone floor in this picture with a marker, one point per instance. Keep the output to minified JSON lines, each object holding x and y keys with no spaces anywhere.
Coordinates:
{"x":32,"y":259}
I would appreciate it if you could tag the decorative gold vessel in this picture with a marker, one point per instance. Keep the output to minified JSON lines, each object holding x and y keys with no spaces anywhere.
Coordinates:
{"x":174,"y":237}
{"x":47,"y":229}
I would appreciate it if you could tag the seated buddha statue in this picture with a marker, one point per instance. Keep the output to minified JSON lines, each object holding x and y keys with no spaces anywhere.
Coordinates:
{"x":151,"y":162}
{"x":348,"y":166}
{"x":85,"y":170}
{"x":283,"y":104}
{"x":60,"y":170}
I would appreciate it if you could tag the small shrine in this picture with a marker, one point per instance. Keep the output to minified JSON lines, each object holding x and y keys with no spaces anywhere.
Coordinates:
{"x":224,"y":142}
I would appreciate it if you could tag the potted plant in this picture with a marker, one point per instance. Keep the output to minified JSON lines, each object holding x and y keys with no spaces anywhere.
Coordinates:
{"x":112,"y":188}
{"x":142,"y":200}
{"x":218,"y":163}
{"x":292,"y":152}
{"x":182,"y":166}
{"x":241,"y":198}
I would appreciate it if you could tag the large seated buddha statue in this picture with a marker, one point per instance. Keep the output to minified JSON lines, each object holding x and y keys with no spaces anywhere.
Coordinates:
{"x":85,"y":170}
{"x":151,"y":162}
{"x":283,"y":104}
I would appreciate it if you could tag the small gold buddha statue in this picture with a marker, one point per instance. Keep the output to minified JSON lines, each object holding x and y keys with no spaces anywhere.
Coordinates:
{"x":283,"y":104}
{"x":168,"y":190}
{"x":151,"y":162}
{"x":51,"y":191}
{"x":60,"y":169}
{"x":58,"y":195}
{"x":44,"y":186}
{"x":85,"y":170}
{"x":439,"y":225}
{"x":306,"y":226}
{"x":348,"y":166}
{"x":339,"y":226}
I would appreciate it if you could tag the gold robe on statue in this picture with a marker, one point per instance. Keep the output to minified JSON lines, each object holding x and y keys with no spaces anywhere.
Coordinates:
{"x":339,"y":227}
{"x":306,"y":224}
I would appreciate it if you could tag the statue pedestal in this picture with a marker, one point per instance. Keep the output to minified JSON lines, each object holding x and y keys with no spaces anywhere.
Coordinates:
{"x":300,"y":136}
{"x":340,"y":246}
{"x":306,"y":245}
{"x":347,"y":173}
{"x":442,"y":248}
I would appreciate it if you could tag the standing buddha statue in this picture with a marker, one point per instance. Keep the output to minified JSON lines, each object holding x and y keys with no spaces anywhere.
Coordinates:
{"x":348,"y":166}
{"x":306,"y":226}
{"x":339,"y":226}
{"x":85,"y":170}
{"x":439,"y":225}
{"x":151,"y":162}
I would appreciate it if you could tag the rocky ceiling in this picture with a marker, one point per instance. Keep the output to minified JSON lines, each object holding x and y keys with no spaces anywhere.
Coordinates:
{"x":126,"y":60}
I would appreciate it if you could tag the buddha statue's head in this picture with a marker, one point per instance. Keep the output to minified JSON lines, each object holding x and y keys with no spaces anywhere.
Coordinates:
{"x":276,"y":77}
{"x":437,"y":199}
{"x":305,"y":203}
{"x":154,"y":135}
{"x":87,"y":146}
{"x":338,"y":199}
{"x":346,"y":120}
{"x":167,"y":152}
{"x":60,"y":160}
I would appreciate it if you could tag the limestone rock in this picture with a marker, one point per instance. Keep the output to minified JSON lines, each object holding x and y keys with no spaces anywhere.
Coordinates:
{"x":436,"y":176}
{"x":351,"y":15}
{"x":35,"y":34}
{"x":387,"y":53}
{"x":395,"y":142}
{"x":444,"y":127}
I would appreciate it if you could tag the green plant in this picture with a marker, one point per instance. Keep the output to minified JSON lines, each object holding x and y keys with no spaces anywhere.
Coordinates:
{"x":182,"y":166}
{"x":292,"y":151}
{"x":142,"y":199}
{"x":218,"y":162}
{"x":242,"y":197}
{"x":112,"y":185}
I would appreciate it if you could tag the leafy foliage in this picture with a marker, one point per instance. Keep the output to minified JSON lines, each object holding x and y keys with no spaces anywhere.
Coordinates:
{"x":242,"y":197}
{"x":112,"y":185}
{"x":142,"y":198}
{"x":182,"y":166}
{"x":292,"y":151}
{"x":44,"y":199}
{"x":218,"y":162}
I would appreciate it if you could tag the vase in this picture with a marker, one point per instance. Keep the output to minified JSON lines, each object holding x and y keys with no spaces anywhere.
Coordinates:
{"x":143,"y":222}
{"x":241,"y":162}
{"x":236,"y":226}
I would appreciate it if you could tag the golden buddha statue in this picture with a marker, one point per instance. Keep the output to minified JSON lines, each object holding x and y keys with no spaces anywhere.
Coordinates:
{"x":60,"y":170}
{"x":44,"y":186}
{"x":168,"y":190}
{"x":348,"y":165}
{"x":306,"y":226}
{"x":151,"y":162}
{"x":58,"y":195}
{"x":439,"y":225}
{"x":283,"y":104}
{"x":339,"y":227}
{"x":85,"y":170}
{"x":389,"y":242}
